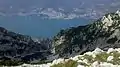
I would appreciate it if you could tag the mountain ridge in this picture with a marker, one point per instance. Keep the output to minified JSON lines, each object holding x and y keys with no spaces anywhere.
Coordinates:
{"x":102,"y":33}
{"x":15,"y":46}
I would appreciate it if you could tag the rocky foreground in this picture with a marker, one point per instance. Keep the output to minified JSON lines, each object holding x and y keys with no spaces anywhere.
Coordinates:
{"x":96,"y":58}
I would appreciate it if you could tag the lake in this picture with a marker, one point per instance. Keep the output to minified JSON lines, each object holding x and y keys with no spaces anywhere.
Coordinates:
{"x":36,"y":27}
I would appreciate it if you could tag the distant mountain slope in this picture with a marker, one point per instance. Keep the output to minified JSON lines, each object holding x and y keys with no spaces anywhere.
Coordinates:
{"x":103,"y":33}
{"x":17,"y":46}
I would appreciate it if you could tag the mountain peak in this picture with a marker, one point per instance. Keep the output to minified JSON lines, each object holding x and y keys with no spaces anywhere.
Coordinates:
{"x":110,"y":20}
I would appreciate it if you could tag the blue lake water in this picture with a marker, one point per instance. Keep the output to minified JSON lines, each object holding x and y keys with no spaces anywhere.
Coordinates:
{"x":36,"y":27}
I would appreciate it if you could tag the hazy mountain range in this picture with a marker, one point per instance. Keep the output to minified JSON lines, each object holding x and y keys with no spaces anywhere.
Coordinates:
{"x":60,"y":9}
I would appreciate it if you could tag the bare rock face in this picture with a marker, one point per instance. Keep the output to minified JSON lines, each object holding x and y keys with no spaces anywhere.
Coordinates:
{"x":103,"y":33}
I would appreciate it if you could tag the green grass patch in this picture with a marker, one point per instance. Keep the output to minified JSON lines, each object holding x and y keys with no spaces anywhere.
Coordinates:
{"x":102,"y":57}
{"x":10,"y":63}
{"x":89,"y":58}
{"x":70,"y":63}
{"x":116,"y":59}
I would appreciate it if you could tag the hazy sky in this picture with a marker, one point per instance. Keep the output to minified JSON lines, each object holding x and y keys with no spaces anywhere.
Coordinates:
{"x":39,"y":3}
{"x":27,"y":5}
{"x":48,"y":3}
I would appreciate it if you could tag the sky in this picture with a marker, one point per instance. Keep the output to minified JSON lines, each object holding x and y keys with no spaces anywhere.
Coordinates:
{"x":50,"y":3}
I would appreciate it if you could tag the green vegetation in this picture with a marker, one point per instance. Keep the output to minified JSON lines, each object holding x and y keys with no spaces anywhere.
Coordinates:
{"x":85,"y":60}
{"x":41,"y":62}
{"x":89,"y":58}
{"x":70,"y":63}
{"x":10,"y":63}
{"x":102,"y":57}
{"x":116,"y":59}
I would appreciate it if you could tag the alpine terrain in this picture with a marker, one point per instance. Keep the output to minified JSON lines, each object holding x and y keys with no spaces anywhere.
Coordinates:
{"x":103,"y":33}
{"x":93,"y":45}
{"x":19,"y":47}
